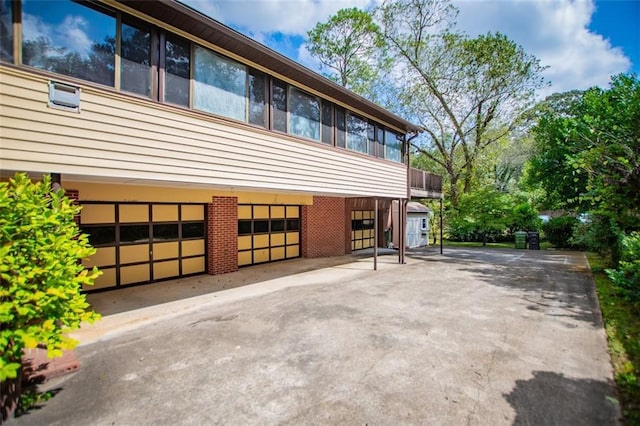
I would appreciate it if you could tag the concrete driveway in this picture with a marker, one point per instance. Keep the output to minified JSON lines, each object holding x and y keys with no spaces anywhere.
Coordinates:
{"x":482,"y":337}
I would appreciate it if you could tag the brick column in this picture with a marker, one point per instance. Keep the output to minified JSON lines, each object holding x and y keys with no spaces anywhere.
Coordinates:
{"x":74,"y":196}
{"x":222,"y":235}
{"x":323,"y":227}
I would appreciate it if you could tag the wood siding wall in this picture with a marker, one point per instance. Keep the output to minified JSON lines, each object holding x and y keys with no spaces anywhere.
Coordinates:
{"x":121,"y":137}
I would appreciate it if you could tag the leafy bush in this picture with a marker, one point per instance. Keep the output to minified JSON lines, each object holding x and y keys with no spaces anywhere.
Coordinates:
{"x":599,"y":234}
{"x":41,"y":247}
{"x":559,"y":231}
{"x":524,"y":217}
{"x":627,"y":276}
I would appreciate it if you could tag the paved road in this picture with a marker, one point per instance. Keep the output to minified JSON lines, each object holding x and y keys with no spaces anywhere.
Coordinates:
{"x":481,"y":337}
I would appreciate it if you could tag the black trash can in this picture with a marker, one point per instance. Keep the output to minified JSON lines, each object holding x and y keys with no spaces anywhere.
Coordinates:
{"x":534,"y":240}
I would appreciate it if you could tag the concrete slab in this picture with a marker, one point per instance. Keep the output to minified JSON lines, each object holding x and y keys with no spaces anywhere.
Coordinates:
{"x":471,"y":337}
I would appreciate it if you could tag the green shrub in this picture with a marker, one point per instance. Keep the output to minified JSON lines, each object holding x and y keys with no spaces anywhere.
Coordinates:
{"x":600,"y":234}
{"x":41,"y":274}
{"x":627,"y":276}
{"x":559,"y":231}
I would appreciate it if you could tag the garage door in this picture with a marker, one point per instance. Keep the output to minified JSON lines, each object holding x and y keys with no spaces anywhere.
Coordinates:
{"x":267,"y":233}
{"x":144,"y":242}
{"x":362,"y":229}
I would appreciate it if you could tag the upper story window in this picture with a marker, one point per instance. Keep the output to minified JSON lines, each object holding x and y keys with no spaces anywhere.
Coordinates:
{"x":327,"y":122}
{"x":220,"y":85}
{"x":304,"y":114}
{"x":70,"y":39}
{"x":393,"y":146}
{"x":6,"y":30}
{"x":357,"y":135}
{"x":100,"y":44}
{"x":135,"y":53}
{"x":279,"y":101}
{"x":177,"y":70}
{"x":257,"y":98}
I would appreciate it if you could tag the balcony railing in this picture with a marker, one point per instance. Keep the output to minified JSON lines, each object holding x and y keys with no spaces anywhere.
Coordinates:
{"x":424,"y":184}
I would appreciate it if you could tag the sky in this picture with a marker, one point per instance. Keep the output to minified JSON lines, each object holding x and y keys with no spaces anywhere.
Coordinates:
{"x":582,"y":42}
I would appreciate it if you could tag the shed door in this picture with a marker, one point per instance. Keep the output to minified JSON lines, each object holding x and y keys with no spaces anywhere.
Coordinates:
{"x":144,"y":242}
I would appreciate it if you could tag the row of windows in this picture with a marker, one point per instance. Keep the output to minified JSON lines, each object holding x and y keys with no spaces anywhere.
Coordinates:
{"x":109,"y":235}
{"x":265,"y":226}
{"x":105,"y":46}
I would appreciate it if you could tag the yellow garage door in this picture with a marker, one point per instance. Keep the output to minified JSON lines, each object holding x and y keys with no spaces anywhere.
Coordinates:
{"x":267,"y":233}
{"x":144,"y":242}
{"x":362,"y":229}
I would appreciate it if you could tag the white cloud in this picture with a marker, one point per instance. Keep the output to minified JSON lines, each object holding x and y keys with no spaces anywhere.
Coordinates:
{"x":70,"y":33}
{"x":284,"y":16}
{"x":555,"y":31}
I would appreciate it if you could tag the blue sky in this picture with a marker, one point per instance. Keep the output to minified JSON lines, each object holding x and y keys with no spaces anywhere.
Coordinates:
{"x":619,"y":21}
{"x":583,"y":42}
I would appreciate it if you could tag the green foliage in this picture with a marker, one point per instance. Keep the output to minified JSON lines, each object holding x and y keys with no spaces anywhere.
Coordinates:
{"x":41,"y":247}
{"x":599,"y":234}
{"x":622,"y":325}
{"x":627,"y":275}
{"x":559,"y":231}
{"x":588,"y":152}
{"x":524,"y":217}
{"x":482,"y":216}
{"x":346,"y":44}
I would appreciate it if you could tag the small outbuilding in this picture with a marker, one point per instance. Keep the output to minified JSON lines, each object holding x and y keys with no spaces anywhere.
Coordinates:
{"x":417,"y":227}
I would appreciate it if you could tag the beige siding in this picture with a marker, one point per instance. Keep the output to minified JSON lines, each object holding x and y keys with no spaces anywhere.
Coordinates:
{"x":116,"y":136}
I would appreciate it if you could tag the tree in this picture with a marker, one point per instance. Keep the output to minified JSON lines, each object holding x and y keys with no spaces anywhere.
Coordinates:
{"x":467,"y":93}
{"x":589,"y":154}
{"x":348,"y":44}
{"x":482,"y":215}
{"x":41,"y":275}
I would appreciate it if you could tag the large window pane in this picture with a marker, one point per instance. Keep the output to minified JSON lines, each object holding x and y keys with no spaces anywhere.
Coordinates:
{"x":177,"y":70}
{"x":371,"y":136}
{"x":70,"y":39}
{"x":279,"y":106}
{"x":6,"y":30}
{"x":356,"y":133}
{"x":327,"y":122}
{"x":257,"y":90}
{"x":220,"y":85}
{"x":135,"y":50}
{"x":380,"y":140}
{"x":340,"y":127}
{"x":393,"y":146}
{"x":304,"y":114}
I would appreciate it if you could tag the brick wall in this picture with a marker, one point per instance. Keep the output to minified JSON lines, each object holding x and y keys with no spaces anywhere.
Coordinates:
{"x":222,"y":235}
{"x":74,"y":196}
{"x":323,"y":227}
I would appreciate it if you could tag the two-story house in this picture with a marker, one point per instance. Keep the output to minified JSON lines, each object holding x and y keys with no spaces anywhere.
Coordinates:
{"x":192,"y":148}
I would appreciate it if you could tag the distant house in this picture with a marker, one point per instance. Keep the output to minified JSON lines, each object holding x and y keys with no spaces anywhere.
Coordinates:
{"x":192,"y":148}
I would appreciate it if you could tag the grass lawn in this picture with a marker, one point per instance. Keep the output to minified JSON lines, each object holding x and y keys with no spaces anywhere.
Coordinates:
{"x":544,"y":245}
{"x":622,"y":325}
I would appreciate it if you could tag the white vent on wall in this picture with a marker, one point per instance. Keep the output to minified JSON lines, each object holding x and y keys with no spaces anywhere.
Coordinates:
{"x":64,"y":96}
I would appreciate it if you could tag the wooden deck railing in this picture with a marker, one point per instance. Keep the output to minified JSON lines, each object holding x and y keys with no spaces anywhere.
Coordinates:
{"x":422,"y":181}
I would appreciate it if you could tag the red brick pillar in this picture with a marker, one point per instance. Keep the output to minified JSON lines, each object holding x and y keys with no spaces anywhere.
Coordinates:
{"x":323,"y":227}
{"x":222,"y":235}
{"x":74,"y":196}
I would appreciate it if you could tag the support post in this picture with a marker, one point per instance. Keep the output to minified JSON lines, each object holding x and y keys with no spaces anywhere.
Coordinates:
{"x":441,"y":225}
{"x":375,"y":235}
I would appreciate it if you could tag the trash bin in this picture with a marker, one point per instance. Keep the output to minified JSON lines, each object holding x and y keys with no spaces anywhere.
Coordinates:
{"x":534,"y":241}
{"x":521,"y":239}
